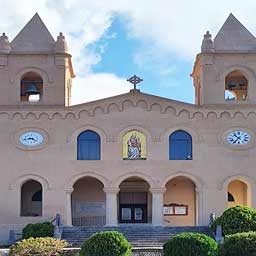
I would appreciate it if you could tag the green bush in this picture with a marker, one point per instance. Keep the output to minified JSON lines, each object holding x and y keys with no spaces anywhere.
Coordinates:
{"x":236,"y":219}
{"x":43,"y":246}
{"x":45,"y":229}
{"x":190,"y":244}
{"x":107,"y":243}
{"x":240,"y":244}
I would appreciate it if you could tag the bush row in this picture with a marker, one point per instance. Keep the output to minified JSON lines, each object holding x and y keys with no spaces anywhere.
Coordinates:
{"x":112,"y":243}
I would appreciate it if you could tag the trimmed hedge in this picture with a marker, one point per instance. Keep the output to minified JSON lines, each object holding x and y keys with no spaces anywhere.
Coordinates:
{"x":236,"y":219}
{"x":43,"y":246}
{"x":106,"y":243}
{"x":190,"y":244}
{"x":240,"y":244}
{"x":45,"y":229}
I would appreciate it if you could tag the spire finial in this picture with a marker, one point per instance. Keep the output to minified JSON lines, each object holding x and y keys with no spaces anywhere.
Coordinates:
{"x":207,"y":44}
{"x":61,"y":44}
{"x":5,"y":46}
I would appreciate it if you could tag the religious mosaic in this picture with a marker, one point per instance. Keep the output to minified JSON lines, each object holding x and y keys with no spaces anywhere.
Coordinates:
{"x":134,"y":145}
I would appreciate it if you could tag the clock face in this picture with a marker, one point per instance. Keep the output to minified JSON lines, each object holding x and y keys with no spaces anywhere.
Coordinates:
{"x":238,"y":137}
{"x":31,"y":139}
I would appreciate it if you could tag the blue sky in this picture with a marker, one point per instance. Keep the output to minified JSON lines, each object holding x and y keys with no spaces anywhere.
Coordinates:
{"x":115,"y":39}
{"x":168,"y":76}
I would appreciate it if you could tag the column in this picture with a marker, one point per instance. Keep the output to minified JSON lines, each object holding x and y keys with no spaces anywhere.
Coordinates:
{"x":68,"y":207}
{"x":157,"y":206}
{"x":200,"y":207}
{"x":111,"y":206}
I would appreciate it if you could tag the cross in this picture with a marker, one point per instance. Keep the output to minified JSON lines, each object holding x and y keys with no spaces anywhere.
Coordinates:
{"x":134,"y":80}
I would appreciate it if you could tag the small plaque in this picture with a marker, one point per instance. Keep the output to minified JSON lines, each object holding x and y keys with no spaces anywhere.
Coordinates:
{"x":175,"y":210}
{"x":168,"y":210}
{"x":181,"y":210}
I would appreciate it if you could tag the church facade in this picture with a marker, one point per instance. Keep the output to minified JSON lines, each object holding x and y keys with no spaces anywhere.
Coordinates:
{"x":133,"y":158}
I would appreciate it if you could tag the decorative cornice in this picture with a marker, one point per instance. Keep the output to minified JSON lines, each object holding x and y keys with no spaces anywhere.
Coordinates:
{"x":145,"y":102}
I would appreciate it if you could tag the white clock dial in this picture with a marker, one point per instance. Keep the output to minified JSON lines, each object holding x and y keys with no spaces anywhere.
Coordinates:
{"x":238,"y":137}
{"x":31,"y":139}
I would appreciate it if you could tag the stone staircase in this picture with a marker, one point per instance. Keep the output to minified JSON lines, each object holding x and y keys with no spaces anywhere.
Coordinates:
{"x":139,"y":235}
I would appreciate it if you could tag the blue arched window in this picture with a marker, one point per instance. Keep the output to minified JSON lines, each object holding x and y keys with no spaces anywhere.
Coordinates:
{"x":88,"y":146}
{"x":180,"y":146}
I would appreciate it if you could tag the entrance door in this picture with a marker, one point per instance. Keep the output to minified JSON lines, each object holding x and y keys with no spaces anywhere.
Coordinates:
{"x":133,"y":213}
{"x":133,"y":207}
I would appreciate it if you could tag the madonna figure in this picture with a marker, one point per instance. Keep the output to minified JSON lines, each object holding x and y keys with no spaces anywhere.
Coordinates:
{"x":134,"y":147}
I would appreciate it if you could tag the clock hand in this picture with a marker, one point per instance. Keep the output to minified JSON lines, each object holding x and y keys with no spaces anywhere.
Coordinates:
{"x":236,"y":140}
{"x":30,"y":138}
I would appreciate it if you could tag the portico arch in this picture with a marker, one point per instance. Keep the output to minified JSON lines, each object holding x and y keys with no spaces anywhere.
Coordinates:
{"x":73,"y":179}
{"x":238,"y":190}
{"x":116,"y":183}
{"x":88,"y":202}
{"x":31,"y":199}
{"x":135,"y":201}
{"x":180,"y":202}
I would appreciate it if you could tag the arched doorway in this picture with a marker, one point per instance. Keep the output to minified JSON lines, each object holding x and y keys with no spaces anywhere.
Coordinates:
{"x":238,"y":193}
{"x":88,"y":202}
{"x":31,"y":199}
{"x":135,"y":201}
{"x":180,"y":202}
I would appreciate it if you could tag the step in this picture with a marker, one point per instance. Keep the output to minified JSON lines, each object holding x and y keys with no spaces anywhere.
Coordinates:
{"x":137,"y":235}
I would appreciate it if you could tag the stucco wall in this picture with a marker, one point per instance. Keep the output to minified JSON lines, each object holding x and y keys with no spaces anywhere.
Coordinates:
{"x":54,"y":165}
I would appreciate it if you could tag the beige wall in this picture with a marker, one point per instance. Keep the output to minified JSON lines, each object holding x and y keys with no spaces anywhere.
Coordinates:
{"x":181,"y":190}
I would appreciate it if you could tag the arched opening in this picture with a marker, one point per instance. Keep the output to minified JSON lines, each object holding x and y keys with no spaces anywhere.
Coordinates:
{"x":135,"y":201}
{"x":180,"y":146}
{"x":236,"y":86}
{"x":88,"y":146}
{"x":31,"y":199}
{"x":31,"y":87}
{"x":180,"y":202}
{"x":238,"y":193}
{"x":88,"y":202}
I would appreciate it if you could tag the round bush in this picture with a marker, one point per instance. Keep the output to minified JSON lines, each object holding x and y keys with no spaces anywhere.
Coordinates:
{"x":236,"y":219}
{"x":106,"y":243}
{"x":190,"y":244}
{"x":45,"y":229}
{"x":43,"y":246}
{"x":240,"y":244}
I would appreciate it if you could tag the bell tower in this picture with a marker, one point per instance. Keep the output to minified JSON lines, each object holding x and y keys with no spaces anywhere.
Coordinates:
{"x":35,"y":68}
{"x":225,"y":70}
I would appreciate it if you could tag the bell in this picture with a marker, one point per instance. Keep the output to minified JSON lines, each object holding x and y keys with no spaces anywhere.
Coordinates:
{"x":231,"y":85}
{"x":32,"y":90}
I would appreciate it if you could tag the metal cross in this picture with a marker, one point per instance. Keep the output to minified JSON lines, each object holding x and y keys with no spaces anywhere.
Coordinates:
{"x":134,"y":80}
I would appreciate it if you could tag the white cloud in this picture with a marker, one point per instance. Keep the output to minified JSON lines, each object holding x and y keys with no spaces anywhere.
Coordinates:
{"x":165,"y":27}
{"x":97,"y":86}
